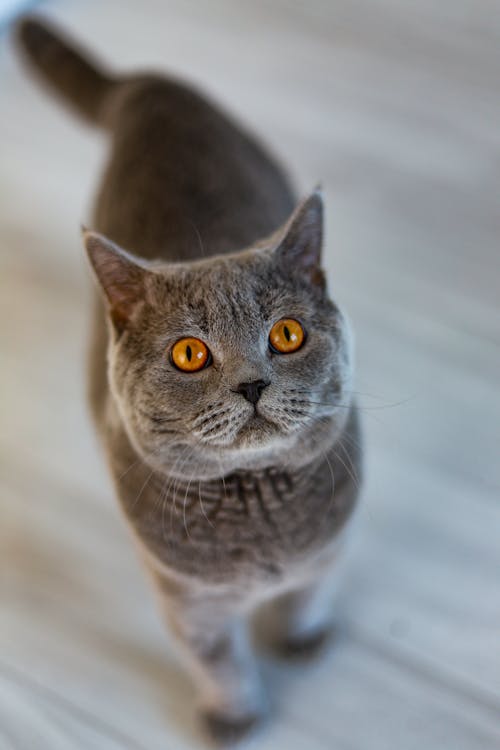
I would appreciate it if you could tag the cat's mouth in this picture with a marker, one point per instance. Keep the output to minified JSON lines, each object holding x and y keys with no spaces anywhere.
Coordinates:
{"x":257,"y":431}
{"x":256,"y":421}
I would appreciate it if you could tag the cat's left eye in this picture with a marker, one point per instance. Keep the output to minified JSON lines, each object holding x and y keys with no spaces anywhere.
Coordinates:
{"x":190,"y":354}
{"x":286,"y":336}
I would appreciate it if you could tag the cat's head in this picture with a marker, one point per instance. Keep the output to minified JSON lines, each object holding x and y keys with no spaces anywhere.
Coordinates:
{"x":231,"y":362}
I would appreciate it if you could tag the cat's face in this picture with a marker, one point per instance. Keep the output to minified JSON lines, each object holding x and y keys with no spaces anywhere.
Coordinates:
{"x":234,"y":362}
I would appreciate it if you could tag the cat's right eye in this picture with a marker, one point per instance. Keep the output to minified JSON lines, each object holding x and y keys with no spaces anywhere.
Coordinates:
{"x":190,"y":354}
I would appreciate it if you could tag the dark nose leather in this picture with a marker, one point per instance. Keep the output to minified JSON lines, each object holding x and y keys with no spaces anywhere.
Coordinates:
{"x":252,"y":391}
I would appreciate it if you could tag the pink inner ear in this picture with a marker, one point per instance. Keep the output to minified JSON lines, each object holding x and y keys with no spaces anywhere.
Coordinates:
{"x":120,"y":275}
{"x":301,"y":246}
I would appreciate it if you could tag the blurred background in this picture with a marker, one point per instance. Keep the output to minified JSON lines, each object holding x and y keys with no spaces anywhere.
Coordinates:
{"x":394,"y":106}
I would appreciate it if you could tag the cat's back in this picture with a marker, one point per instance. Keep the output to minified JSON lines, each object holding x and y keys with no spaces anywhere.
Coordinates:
{"x":184,"y":180}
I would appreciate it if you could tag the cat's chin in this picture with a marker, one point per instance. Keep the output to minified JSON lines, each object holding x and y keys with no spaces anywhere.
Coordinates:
{"x":260,"y":435}
{"x":257,"y":433}
{"x":258,"y":443}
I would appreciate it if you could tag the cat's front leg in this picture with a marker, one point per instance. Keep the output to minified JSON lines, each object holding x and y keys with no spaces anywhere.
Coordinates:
{"x":212,"y":634}
{"x":300,"y":621}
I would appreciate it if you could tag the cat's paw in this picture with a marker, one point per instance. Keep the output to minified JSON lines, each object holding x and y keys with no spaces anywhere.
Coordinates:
{"x":226,"y":729}
{"x":305,"y":646}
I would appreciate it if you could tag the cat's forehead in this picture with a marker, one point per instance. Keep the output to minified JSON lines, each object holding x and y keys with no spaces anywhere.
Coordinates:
{"x":248,"y":270}
{"x":230,"y":294}
{"x":226,"y":285}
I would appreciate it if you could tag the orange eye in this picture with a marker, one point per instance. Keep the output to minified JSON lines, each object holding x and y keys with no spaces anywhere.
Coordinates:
{"x":287,"y":335}
{"x":190,"y":355}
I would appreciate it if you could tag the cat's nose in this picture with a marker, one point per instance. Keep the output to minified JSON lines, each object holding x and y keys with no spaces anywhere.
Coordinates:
{"x":252,"y":391}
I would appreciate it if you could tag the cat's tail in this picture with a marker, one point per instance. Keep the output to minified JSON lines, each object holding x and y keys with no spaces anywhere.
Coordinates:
{"x":71,"y":73}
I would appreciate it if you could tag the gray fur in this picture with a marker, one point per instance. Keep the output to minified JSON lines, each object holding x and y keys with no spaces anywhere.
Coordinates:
{"x":233,"y":505}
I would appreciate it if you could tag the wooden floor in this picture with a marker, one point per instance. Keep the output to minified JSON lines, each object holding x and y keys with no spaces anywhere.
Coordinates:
{"x":394,"y":105}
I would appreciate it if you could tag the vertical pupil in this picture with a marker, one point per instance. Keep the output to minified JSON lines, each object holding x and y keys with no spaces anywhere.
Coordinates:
{"x":189,"y":353}
{"x":287,"y":333}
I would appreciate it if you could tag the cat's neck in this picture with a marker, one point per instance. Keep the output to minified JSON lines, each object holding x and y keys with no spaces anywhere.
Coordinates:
{"x":258,"y":518}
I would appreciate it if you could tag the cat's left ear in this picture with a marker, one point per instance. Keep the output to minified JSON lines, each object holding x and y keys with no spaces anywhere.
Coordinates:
{"x":299,"y":250}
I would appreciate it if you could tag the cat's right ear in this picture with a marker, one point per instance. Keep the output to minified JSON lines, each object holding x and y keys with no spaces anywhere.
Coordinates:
{"x":121,"y":276}
{"x":301,"y":243}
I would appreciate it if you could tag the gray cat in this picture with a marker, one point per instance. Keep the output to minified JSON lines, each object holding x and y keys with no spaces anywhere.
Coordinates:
{"x":220,"y":374}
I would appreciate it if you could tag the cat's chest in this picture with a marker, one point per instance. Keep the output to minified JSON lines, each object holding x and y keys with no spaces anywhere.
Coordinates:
{"x":243,"y":525}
